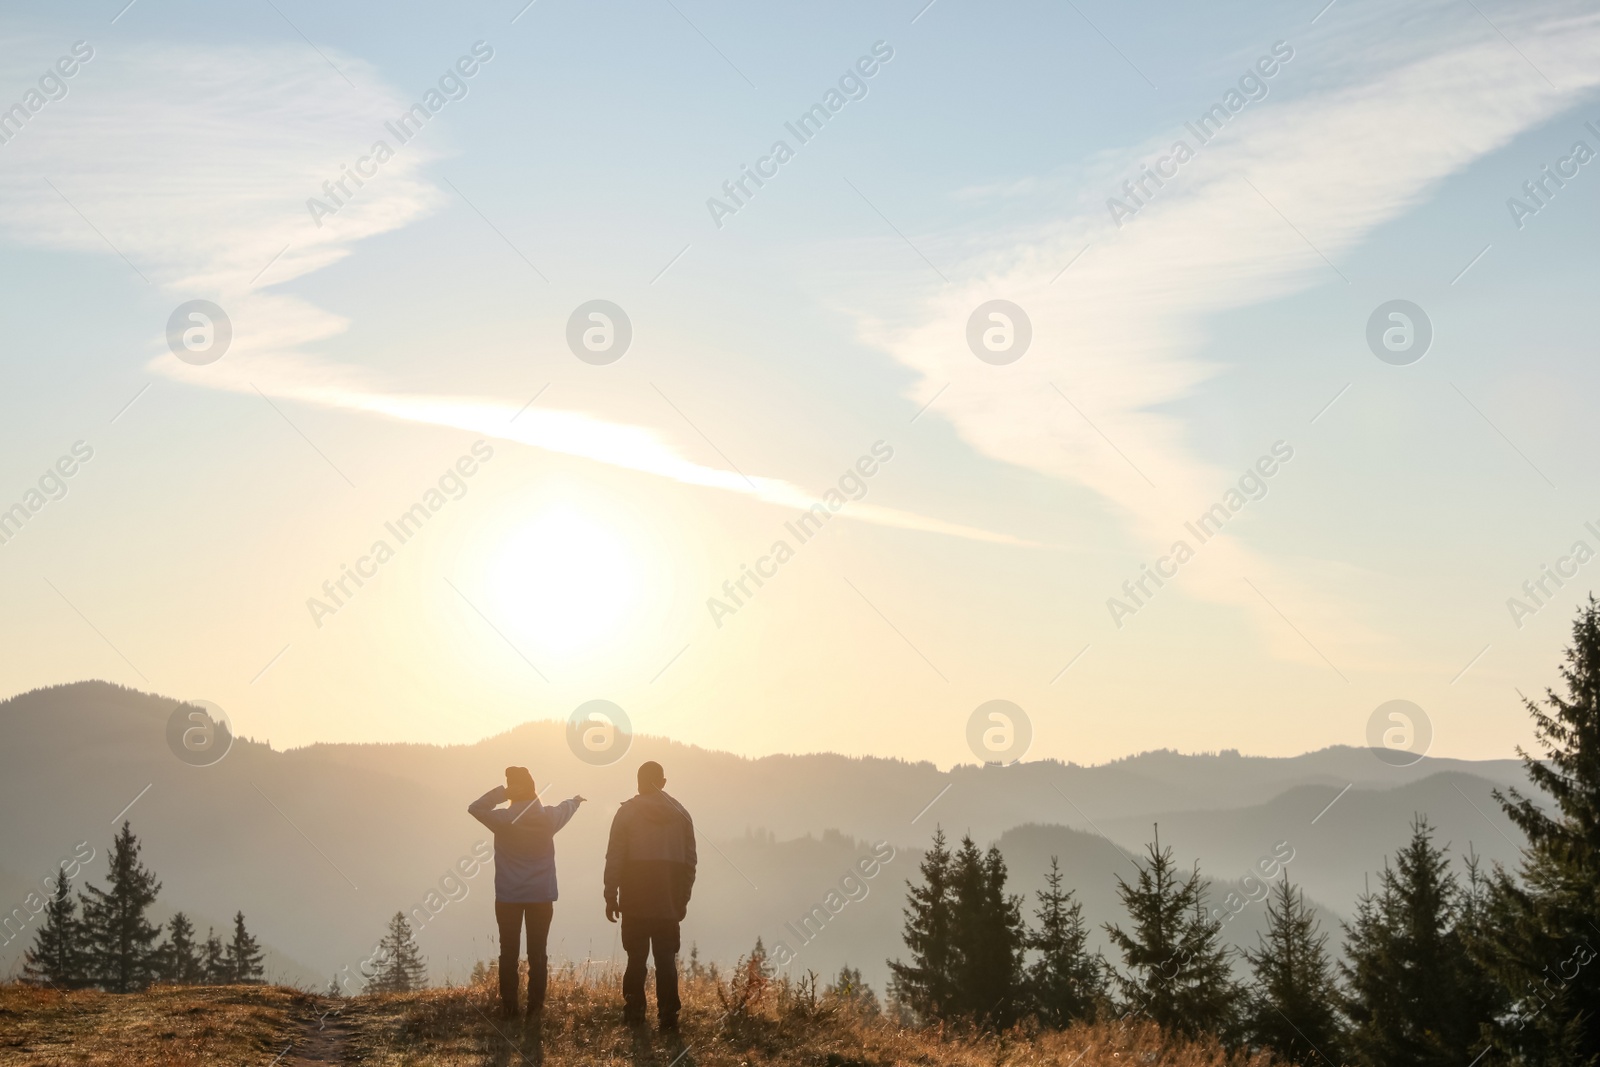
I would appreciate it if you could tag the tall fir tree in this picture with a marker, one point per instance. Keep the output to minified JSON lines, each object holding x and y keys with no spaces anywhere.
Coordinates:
{"x":1292,"y":1007}
{"x":988,"y":936}
{"x":925,"y":985}
{"x":1542,"y":929}
{"x":242,"y":955}
{"x":1066,"y":982}
{"x":57,"y":957}
{"x":403,"y":969}
{"x":214,"y":961}
{"x":180,"y":961}
{"x":119,"y":936}
{"x":1178,"y":970}
{"x":1413,"y":994}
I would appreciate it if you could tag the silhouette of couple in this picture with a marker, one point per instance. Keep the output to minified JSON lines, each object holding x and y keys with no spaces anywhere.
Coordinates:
{"x":650,"y":865}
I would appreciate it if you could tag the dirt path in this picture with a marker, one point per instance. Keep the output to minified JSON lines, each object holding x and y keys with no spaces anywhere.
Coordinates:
{"x":322,"y":1041}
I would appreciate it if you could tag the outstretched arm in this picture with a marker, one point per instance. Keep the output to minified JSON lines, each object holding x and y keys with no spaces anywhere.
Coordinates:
{"x":484,"y":809}
{"x":562,"y":812}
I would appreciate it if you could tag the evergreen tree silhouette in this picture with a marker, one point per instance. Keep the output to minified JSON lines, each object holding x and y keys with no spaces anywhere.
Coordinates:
{"x":848,"y":986}
{"x":1413,"y":993}
{"x":1542,"y":930}
{"x":988,"y":936}
{"x":214,"y":963}
{"x":119,"y":937}
{"x":58,"y":956}
{"x":760,"y":961}
{"x":242,"y":955}
{"x":1065,"y":982}
{"x":1292,"y":1006}
{"x":966,"y":939}
{"x":1178,"y":971}
{"x":403,"y":968}
{"x":926,"y":984}
{"x":179,"y":957}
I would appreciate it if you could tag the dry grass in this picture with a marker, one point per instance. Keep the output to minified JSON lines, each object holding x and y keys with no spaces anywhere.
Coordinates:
{"x":722,"y":1026}
{"x":172,"y":1027}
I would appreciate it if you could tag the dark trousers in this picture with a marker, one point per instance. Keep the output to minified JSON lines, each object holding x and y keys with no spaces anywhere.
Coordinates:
{"x":511,"y":918}
{"x":639,"y":936}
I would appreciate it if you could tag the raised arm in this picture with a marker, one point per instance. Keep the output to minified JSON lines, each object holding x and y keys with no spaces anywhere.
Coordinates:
{"x":562,"y":812}
{"x":484,"y":809}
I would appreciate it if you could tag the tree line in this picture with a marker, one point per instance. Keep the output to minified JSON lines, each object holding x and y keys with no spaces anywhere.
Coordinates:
{"x":104,"y":939}
{"x":113,"y":945}
{"x":1441,"y":962}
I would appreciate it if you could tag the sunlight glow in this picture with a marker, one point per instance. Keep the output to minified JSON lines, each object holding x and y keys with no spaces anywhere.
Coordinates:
{"x":566,"y":582}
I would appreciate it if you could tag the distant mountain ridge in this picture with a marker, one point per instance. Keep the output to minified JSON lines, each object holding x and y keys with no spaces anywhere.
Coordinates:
{"x":319,"y":845}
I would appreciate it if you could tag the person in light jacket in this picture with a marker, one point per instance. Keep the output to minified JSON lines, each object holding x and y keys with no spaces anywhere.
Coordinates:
{"x":650,"y":866}
{"x":524,"y":879}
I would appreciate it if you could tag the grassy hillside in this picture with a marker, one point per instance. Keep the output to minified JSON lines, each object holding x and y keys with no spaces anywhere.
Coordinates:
{"x":781,"y":1025}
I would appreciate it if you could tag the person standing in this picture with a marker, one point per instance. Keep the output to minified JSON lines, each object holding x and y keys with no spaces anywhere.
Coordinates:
{"x":524,"y":879}
{"x":650,"y":866}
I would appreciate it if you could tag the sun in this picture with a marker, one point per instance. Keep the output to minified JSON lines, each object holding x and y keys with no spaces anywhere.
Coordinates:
{"x":566,"y":582}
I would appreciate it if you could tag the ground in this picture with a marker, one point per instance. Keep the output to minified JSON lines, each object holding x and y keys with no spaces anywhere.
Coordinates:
{"x":724,"y":1025}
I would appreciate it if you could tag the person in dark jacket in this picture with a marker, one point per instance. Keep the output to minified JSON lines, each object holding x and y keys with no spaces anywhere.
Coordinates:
{"x":524,"y":879}
{"x":650,"y":864}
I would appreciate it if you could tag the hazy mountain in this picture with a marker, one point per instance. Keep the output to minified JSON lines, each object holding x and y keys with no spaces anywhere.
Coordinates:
{"x":320,"y":845}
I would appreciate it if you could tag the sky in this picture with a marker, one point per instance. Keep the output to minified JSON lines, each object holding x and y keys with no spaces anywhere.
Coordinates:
{"x":605,"y":371}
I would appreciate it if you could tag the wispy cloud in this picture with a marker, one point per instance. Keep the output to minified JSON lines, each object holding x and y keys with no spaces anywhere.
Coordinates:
{"x":570,"y":433}
{"x":1119,"y":335}
{"x":196,"y":165}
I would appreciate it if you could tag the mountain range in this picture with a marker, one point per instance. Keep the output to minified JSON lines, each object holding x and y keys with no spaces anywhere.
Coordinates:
{"x":319,"y":845}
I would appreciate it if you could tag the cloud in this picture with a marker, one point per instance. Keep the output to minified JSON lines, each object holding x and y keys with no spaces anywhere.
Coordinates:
{"x":196,"y":165}
{"x":570,"y":433}
{"x":1388,"y":119}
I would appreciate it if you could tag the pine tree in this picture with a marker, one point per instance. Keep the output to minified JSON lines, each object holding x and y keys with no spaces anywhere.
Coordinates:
{"x":850,"y":988}
{"x":1066,"y":982}
{"x":214,"y":963}
{"x":696,"y":968}
{"x":1480,"y":997}
{"x":57,"y":957}
{"x":926,"y":985}
{"x":1178,"y":971}
{"x":966,"y":939}
{"x":335,"y":990}
{"x":179,"y":957}
{"x":988,"y":936}
{"x":119,"y":937}
{"x":761,"y":962}
{"x":1292,"y":1005}
{"x":1543,"y":929}
{"x":403,"y":969}
{"x":242,"y":956}
{"x":1414,"y":994}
